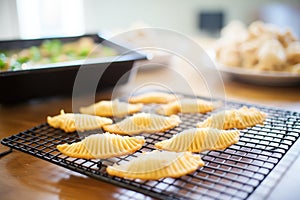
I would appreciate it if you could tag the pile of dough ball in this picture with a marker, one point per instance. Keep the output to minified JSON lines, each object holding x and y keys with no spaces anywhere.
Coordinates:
{"x":260,"y":46}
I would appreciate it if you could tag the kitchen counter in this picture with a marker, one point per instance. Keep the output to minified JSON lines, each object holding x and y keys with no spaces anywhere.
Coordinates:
{"x":24,"y":176}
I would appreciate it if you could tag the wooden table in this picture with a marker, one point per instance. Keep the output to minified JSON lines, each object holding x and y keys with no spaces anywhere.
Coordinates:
{"x":24,"y":176}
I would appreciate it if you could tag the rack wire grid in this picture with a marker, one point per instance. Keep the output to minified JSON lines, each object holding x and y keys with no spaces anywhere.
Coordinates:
{"x":233,"y":173}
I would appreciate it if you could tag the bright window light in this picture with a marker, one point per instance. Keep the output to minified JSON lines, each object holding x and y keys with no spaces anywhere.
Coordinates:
{"x":46,"y":18}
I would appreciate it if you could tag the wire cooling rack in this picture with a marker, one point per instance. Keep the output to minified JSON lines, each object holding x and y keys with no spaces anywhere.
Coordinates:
{"x":234,"y":173}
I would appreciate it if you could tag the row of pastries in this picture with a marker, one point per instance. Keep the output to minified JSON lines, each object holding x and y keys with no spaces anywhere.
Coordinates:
{"x":259,"y":47}
{"x":175,"y":156}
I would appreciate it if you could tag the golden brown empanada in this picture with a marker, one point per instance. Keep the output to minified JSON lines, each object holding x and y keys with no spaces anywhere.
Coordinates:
{"x":271,"y":55}
{"x":259,"y":47}
{"x":157,"y":164}
{"x":200,"y":139}
{"x":236,"y":118}
{"x":168,"y":109}
{"x":102,"y":146}
{"x":111,"y":108}
{"x":295,"y":68}
{"x":229,"y":56}
{"x":143,"y":122}
{"x":152,"y":97}
{"x":293,"y":52}
{"x":70,"y":122}
{"x":187,"y":105}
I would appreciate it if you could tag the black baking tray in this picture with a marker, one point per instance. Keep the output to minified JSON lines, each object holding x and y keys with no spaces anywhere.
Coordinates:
{"x":239,"y":172}
{"x":58,"y":78}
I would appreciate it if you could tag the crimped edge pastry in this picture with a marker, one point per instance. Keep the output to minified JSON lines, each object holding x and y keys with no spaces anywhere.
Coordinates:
{"x":200,"y":139}
{"x":70,"y":122}
{"x":236,"y":118}
{"x":102,"y":146}
{"x":143,"y":122}
{"x":156,"y":165}
{"x":187,"y":105}
{"x":111,"y":108}
{"x":153,"y":97}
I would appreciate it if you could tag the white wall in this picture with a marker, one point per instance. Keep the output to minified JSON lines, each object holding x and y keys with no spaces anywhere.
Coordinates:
{"x":9,"y":26}
{"x":180,"y":15}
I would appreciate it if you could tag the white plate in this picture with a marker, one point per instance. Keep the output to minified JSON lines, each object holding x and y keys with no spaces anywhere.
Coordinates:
{"x":261,"y":78}
{"x":269,"y":78}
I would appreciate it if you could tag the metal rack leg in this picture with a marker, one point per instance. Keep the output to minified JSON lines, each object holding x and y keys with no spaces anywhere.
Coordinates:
{"x":6,"y":152}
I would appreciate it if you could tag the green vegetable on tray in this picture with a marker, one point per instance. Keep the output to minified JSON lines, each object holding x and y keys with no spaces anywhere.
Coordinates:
{"x":52,"y":51}
{"x":2,"y":61}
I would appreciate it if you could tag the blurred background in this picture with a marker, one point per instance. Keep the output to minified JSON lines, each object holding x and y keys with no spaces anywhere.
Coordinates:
{"x":43,"y":18}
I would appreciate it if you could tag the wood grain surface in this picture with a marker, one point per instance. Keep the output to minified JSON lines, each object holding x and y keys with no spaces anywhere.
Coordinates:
{"x":25,"y":177}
